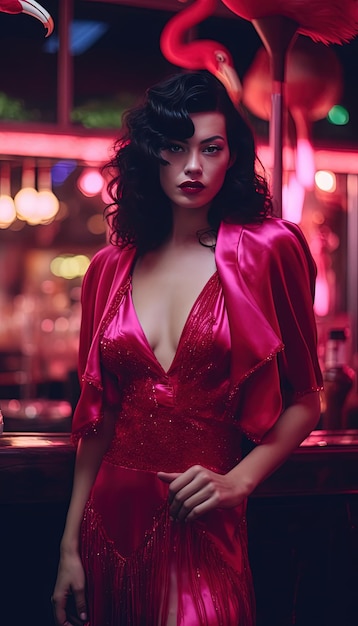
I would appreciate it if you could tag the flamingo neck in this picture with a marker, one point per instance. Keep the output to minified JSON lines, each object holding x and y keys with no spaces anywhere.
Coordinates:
{"x":277,"y":33}
{"x":175,"y":34}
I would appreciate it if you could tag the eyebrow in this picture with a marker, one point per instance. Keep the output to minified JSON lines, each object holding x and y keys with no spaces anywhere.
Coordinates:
{"x":212,"y":138}
{"x":207,"y":140}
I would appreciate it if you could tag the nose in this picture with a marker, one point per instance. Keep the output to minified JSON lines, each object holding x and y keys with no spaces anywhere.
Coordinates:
{"x":193,"y":164}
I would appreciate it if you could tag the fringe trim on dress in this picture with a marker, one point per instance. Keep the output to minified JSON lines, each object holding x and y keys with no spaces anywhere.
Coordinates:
{"x":134,"y":591}
{"x":231,"y":592}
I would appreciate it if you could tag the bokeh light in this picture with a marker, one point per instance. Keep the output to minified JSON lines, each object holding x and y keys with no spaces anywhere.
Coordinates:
{"x":96,"y":224}
{"x":25,"y":203}
{"x":338,"y":115}
{"x":326,"y":181}
{"x":69,"y":266}
{"x":61,"y":171}
{"x":91,"y":182}
{"x":7,"y":211}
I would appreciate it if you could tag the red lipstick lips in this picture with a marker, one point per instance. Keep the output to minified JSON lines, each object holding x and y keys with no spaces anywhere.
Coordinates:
{"x":191,"y":187}
{"x":192,"y":184}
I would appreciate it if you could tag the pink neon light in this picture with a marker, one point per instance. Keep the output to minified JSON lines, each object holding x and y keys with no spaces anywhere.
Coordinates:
{"x":96,"y":150}
{"x":305,"y":163}
{"x":321,"y":301}
{"x":88,"y":149}
{"x":339,"y":161}
{"x":293,"y":196}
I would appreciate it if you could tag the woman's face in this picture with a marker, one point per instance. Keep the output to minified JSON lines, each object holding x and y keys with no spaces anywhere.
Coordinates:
{"x":197,"y":166}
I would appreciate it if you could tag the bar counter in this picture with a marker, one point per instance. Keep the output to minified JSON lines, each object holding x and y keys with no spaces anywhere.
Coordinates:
{"x":37,"y":467}
{"x":302,"y":521}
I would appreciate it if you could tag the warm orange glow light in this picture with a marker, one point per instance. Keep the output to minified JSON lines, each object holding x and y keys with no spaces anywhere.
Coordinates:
{"x":25,"y":203}
{"x":325,"y":181}
{"x":96,"y":224}
{"x":7,"y":211}
{"x":47,"y":205}
{"x":69,"y":266}
{"x":36,"y":207}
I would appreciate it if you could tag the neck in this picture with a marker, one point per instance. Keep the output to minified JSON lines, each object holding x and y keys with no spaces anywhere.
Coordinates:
{"x":186,"y":224}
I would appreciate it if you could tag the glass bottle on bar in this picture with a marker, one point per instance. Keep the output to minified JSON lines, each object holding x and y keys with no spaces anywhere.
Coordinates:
{"x":338,"y":379}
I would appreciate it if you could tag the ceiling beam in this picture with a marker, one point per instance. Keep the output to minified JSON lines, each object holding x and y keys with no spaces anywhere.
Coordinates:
{"x":167,"y":5}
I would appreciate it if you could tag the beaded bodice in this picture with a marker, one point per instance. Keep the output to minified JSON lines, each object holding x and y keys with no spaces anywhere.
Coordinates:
{"x":172,"y":419}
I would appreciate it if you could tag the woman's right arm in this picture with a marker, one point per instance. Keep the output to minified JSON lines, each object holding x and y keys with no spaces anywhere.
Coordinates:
{"x":70,"y":576}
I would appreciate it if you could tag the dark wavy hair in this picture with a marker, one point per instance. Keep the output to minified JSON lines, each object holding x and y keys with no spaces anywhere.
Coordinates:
{"x":140,"y":213}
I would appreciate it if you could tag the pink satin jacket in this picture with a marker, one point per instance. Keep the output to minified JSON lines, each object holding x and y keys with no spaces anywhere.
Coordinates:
{"x":268,"y":278}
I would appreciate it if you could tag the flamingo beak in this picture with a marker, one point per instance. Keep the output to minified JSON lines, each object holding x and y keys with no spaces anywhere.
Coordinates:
{"x":30,"y":7}
{"x":229,"y":78}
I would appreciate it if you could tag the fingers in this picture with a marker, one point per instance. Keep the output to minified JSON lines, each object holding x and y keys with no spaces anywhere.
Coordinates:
{"x":180,"y":481}
{"x":167,"y":477}
{"x":186,"y":509}
{"x":80,"y":603}
{"x":59,"y":610}
{"x":192,"y":493}
{"x":68,"y":598}
{"x":70,"y":609}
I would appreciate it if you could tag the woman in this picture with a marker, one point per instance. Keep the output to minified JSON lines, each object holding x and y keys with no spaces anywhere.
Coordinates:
{"x":197,"y":327}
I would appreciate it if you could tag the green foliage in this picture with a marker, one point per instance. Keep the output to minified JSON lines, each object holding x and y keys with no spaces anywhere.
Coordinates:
{"x":12,"y":109}
{"x":101,"y":113}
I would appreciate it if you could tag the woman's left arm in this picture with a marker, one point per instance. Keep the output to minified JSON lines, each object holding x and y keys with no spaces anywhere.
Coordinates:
{"x":292,"y":427}
{"x":290,"y":280}
{"x":199,"y":490}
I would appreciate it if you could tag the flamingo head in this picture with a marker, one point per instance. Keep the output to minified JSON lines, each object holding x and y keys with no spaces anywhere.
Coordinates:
{"x":204,"y":54}
{"x":220,"y":64}
{"x":30,"y":7}
{"x":179,"y":49}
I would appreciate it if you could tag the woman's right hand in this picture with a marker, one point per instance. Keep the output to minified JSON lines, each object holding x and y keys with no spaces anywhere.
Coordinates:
{"x":68,"y":599}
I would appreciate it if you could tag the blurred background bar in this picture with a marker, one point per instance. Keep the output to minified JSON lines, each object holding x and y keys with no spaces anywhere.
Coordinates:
{"x":61,"y":102}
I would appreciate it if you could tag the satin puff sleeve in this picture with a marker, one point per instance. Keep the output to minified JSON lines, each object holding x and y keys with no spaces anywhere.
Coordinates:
{"x":268,"y":278}
{"x":292,"y":278}
{"x":99,"y":389}
{"x":280,"y":274}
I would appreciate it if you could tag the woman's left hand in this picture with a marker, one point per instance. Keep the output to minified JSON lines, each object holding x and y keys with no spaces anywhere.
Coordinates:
{"x":199,"y":490}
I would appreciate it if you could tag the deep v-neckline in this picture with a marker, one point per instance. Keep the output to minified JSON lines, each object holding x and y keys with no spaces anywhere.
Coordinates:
{"x":166,"y":372}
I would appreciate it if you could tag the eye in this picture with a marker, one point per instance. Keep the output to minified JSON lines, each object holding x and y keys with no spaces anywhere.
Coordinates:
{"x":212,"y":149}
{"x":175,"y":148}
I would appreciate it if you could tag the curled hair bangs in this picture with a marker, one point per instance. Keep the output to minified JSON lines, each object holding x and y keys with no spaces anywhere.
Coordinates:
{"x":171,"y":104}
{"x":170,"y":123}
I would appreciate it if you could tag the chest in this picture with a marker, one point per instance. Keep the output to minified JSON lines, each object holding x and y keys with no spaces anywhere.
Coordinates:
{"x":164,"y":292}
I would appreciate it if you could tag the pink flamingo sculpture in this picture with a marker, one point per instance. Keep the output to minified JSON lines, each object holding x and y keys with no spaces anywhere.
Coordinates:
{"x":277,"y":22}
{"x":314,"y":84}
{"x":30,"y":7}
{"x":203,"y":54}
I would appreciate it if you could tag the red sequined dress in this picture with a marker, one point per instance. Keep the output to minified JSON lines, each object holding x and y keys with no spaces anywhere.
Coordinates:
{"x":237,"y":366}
{"x":139,"y":564}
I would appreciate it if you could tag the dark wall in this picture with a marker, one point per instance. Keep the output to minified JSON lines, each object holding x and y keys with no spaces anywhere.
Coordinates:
{"x":303,"y":550}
